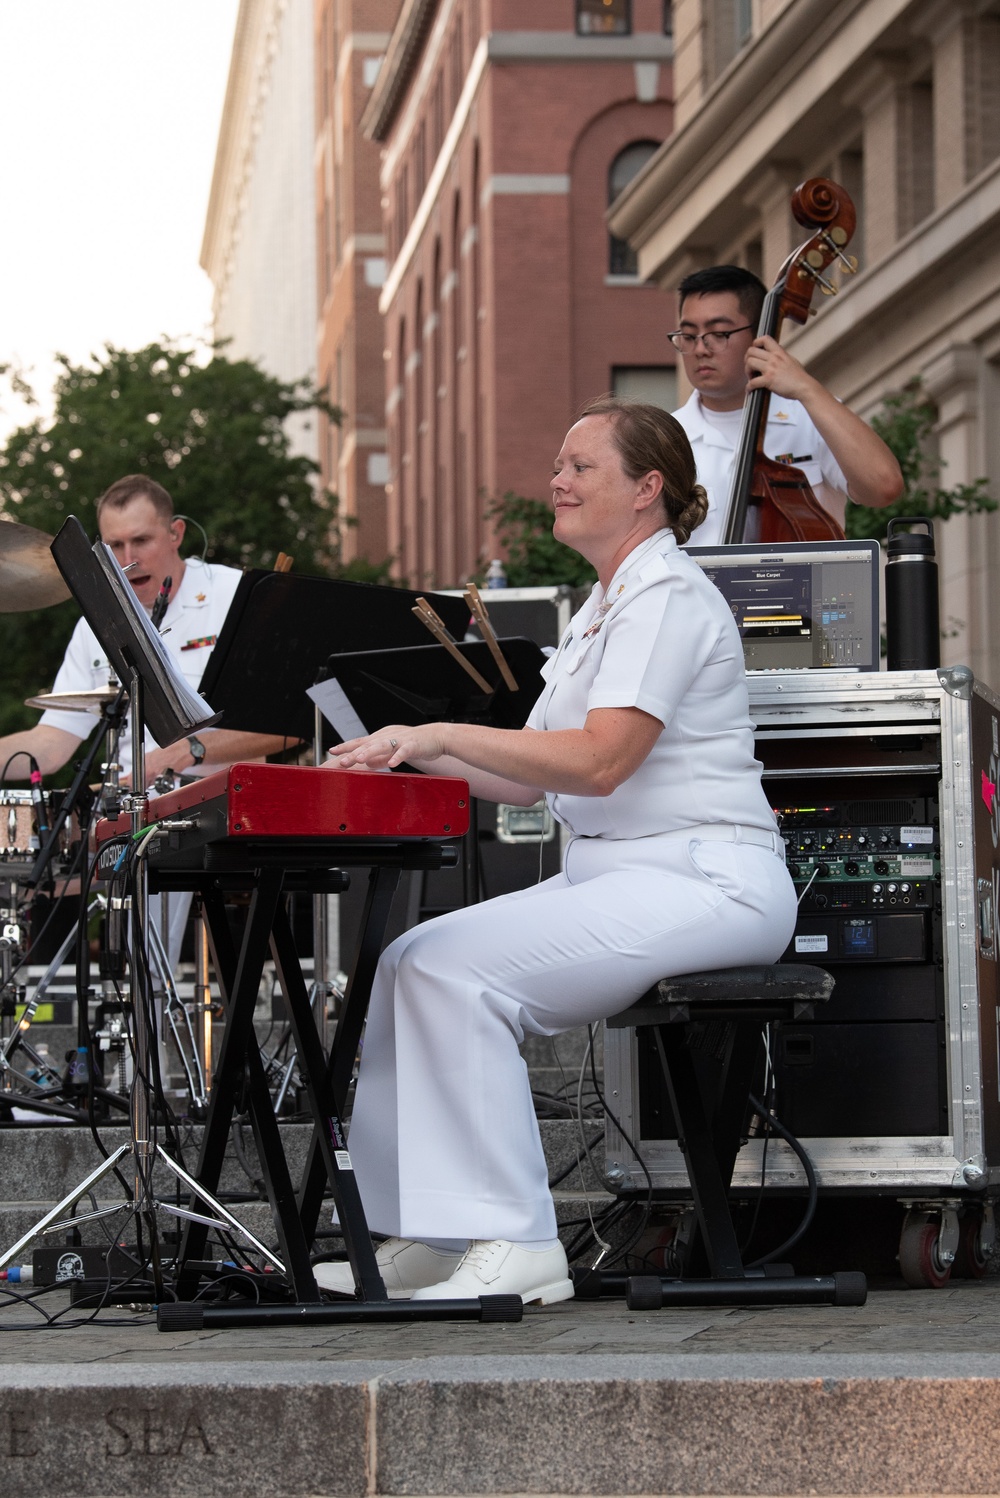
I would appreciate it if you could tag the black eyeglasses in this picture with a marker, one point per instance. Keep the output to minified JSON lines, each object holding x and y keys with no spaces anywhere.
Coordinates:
{"x":713,"y":341}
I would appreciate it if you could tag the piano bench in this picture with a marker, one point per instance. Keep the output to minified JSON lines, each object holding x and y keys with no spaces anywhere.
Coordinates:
{"x":721,"y":1012}
{"x":782,"y":991}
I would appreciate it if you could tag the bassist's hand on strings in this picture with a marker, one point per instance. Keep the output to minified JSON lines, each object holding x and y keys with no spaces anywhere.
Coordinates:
{"x":872,"y":473}
{"x":771,"y":367}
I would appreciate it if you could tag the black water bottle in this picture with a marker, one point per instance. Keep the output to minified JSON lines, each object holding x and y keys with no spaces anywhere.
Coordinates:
{"x":913,"y":633}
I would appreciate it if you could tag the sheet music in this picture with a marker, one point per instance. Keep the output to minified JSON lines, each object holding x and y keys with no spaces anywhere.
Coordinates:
{"x":332,"y":701}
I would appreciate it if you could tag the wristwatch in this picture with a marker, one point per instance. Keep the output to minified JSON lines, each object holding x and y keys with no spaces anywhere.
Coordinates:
{"x":197,"y":749}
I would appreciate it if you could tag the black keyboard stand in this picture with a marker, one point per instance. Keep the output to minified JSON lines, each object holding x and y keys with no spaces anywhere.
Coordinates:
{"x":270,"y":870}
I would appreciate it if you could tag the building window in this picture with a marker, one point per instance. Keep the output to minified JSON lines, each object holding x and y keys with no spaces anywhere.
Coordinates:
{"x":668,"y":17}
{"x":728,"y":29}
{"x":626,"y":165}
{"x":604,"y":17}
{"x":655,"y":384}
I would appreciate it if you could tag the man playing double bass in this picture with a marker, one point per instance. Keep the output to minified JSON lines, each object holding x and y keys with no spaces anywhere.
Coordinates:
{"x":839,"y":453}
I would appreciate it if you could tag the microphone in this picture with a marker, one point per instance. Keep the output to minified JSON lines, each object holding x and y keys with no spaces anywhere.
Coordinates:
{"x":162,"y":599}
{"x":38,"y":802}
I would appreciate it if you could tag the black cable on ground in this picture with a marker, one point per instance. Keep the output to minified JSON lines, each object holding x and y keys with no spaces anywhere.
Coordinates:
{"x":648,"y":1203}
{"x":813,"y":1198}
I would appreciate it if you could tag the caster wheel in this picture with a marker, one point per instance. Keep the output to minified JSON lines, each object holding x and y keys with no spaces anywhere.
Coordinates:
{"x":919,"y":1263}
{"x":971,"y":1258}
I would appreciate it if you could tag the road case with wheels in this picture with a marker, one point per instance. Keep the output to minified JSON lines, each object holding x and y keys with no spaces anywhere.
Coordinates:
{"x":886,"y":789}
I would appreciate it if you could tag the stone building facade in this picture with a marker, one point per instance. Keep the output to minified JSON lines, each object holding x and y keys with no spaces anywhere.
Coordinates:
{"x":899,"y":100}
{"x":258,"y":246}
{"x":505,"y":125}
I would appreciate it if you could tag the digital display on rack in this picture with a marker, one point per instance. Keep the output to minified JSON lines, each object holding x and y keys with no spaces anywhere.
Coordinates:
{"x":806,"y":605}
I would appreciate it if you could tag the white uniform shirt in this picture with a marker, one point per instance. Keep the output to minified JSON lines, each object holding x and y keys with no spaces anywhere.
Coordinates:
{"x":789,"y":434}
{"x":190,"y":628}
{"x":667,"y":643}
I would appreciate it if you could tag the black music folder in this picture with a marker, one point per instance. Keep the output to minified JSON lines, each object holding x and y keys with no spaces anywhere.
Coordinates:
{"x":281,"y":628}
{"x":170,"y":709}
{"x":425,"y":684}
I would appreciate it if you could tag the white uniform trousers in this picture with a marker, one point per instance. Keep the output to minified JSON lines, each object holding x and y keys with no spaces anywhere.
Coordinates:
{"x":443,"y":1138}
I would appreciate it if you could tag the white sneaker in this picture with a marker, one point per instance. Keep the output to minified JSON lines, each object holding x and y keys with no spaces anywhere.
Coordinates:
{"x":403,"y":1265}
{"x":501,"y":1268}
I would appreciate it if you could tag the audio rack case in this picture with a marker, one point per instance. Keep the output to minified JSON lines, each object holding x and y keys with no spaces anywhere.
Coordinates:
{"x":895,"y":1090}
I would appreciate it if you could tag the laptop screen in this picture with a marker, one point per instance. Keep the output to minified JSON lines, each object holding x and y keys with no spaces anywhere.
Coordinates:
{"x":805,"y":604}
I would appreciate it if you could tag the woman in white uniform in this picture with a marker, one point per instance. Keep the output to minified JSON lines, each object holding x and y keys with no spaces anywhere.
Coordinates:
{"x":642,"y":744}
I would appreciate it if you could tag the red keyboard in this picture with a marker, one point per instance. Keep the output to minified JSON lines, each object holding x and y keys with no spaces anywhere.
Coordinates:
{"x":293,"y":801}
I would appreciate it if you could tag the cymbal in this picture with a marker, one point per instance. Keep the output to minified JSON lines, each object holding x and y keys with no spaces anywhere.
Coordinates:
{"x":83,"y":702}
{"x":29,"y":577}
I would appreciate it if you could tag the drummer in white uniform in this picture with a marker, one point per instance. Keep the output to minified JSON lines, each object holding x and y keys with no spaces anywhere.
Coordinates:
{"x":642,"y":743}
{"x":136,"y":519}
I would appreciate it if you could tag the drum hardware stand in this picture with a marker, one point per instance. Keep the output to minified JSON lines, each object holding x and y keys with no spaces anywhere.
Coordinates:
{"x":17,"y":1040}
{"x":107,"y":730}
{"x":203,"y":1009}
{"x":11,"y":935}
{"x":140,"y":1147}
{"x":178,"y":1017}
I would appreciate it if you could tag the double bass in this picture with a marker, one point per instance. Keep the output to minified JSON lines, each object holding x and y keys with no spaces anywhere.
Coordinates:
{"x":776,"y":497}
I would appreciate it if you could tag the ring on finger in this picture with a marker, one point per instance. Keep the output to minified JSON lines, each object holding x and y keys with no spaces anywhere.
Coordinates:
{"x":394,"y":743}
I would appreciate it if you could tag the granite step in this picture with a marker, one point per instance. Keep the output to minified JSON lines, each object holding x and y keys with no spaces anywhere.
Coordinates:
{"x":44,"y":1163}
{"x":178,"y":1423}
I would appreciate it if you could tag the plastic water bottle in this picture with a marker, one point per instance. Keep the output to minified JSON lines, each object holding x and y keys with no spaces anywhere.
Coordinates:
{"x":496,"y":577}
{"x":913,"y":633}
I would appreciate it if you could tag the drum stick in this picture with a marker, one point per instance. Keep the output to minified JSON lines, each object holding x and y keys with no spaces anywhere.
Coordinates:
{"x":435,"y":624}
{"x":472,"y":598}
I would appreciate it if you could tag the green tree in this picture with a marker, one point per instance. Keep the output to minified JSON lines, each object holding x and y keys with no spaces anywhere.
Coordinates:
{"x":534,"y":557}
{"x":212,"y":431}
{"x":906,"y":425}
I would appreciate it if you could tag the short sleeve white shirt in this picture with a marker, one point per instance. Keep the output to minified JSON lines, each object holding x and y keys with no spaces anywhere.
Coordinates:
{"x":789,"y":436}
{"x":190,"y":627}
{"x":663,"y":640}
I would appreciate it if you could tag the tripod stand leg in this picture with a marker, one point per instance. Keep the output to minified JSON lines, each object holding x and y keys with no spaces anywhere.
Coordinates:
{"x":67,"y":1202}
{"x":226,"y":1217}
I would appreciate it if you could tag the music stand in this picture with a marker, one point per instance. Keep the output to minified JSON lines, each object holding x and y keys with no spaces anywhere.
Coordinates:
{"x":425,"y":684}
{"x":279,"y":631}
{"x":157,"y":693}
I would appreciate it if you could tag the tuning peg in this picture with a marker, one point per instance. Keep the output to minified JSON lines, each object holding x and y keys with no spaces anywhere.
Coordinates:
{"x":834,"y":241}
{"x":827,"y":287}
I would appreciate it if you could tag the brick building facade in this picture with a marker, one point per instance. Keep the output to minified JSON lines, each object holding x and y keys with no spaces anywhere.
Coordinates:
{"x":504,"y":126}
{"x":351,"y":37}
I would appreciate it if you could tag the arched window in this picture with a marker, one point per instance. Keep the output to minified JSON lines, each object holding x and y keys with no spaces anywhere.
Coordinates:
{"x":626,"y":165}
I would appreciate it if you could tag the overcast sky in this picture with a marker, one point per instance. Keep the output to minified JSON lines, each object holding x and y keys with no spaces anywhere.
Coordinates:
{"x":109,"y":115}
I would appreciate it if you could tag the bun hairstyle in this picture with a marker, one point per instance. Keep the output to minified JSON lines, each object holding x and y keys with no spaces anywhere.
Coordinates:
{"x":649,"y":440}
